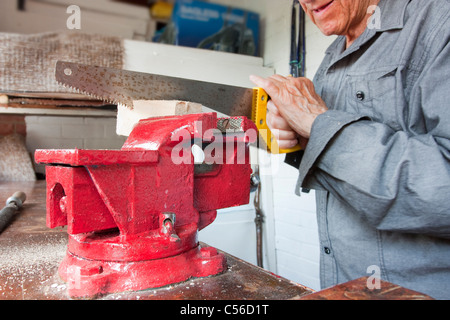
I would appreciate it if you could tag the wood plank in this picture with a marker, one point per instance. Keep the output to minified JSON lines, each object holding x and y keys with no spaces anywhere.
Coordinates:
{"x":127,"y":118}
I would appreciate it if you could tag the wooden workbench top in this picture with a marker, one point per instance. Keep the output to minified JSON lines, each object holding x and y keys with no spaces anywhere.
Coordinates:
{"x":30,"y":254}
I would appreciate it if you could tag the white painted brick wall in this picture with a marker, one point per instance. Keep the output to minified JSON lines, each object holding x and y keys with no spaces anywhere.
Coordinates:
{"x":296,"y":236}
{"x":60,"y":132}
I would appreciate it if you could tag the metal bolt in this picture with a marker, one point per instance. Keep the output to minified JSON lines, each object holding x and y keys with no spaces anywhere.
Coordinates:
{"x":63,"y":204}
{"x":68,"y":71}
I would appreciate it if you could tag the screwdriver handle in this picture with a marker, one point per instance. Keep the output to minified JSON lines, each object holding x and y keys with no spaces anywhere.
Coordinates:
{"x":18,"y":198}
{"x":13,"y":204}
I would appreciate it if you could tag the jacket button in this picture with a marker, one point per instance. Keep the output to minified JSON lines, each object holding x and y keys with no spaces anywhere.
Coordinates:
{"x":326,"y":250}
{"x":360,"y":95}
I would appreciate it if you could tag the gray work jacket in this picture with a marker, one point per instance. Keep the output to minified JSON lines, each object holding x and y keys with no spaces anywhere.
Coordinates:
{"x":379,"y":158}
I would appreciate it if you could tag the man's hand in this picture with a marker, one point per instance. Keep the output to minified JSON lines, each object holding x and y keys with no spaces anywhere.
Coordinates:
{"x":280,"y":128}
{"x":292,"y":109}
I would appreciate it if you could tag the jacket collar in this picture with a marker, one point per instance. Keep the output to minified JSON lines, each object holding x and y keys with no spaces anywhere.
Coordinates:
{"x":392,"y":14}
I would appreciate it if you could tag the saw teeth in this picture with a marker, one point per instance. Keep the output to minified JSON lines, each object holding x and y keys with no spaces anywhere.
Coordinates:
{"x":108,"y":99}
{"x":79,"y":91}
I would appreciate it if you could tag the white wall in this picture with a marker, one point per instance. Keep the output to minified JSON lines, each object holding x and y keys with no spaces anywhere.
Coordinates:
{"x":296,"y":236}
{"x":105,"y":17}
{"x":63,"y":132}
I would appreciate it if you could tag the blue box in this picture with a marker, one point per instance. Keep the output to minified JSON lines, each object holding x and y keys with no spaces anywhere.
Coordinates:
{"x":212,"y":26}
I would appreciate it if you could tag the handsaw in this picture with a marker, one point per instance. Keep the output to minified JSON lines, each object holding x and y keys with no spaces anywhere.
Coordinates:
{"x":118,"y":86}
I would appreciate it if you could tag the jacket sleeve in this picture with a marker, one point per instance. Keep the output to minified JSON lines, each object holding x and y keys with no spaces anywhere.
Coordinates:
{"x":397,"y":180}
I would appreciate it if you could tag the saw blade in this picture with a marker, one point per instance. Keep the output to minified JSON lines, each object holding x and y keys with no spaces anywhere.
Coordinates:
{"x":119,"y":86}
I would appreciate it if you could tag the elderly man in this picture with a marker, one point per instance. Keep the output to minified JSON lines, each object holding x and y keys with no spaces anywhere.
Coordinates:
{"x":377,"y":126}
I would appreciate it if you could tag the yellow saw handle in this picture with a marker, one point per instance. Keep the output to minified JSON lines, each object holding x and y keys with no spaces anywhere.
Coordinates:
{"x":259,"y":114}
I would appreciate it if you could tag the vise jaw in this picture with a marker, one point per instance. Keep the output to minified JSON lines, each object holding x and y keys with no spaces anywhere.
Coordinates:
{"x":133,"y":214}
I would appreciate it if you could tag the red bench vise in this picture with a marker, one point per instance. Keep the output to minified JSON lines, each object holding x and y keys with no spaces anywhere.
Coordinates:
{"x":133,"y":214}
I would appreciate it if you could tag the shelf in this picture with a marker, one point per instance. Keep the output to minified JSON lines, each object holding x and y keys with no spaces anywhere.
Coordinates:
{"x":56,"y":111}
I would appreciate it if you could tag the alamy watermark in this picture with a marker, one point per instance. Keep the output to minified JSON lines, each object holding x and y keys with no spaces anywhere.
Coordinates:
{"x":217,"y":147}
{"x":374,"y":21}
{"x":74,"y":20}
{"x":374,"y":280}
{"x":221,"y":149}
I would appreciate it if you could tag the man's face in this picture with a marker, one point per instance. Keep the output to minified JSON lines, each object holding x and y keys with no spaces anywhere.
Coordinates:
{"x":337,"y":17}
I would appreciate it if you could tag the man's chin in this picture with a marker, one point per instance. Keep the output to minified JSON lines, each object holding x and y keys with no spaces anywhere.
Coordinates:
{"x":327,"y":29}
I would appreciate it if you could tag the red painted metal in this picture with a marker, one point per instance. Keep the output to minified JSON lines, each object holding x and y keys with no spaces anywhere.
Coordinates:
{"x":133,"y":215}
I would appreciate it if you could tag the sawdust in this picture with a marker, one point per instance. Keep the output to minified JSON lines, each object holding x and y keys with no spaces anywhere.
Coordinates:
{"x":30,"y":262}
{"x":30,"y":253}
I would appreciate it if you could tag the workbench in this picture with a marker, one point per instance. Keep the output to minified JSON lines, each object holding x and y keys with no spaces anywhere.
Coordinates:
{"x":30,"y":254}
